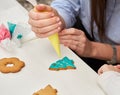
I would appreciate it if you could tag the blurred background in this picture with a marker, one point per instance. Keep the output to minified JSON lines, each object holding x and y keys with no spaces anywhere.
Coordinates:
{"x":28,"y":6}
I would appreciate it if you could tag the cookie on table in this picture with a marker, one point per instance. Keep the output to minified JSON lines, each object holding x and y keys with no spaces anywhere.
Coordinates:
{"x":11,"y":65}
{"x":48,"y":90}
{"x":63,"y":64}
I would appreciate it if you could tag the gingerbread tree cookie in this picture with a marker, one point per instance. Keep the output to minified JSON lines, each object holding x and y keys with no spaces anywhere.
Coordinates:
{"x":63,"y":64}
{"x":48,"y":90}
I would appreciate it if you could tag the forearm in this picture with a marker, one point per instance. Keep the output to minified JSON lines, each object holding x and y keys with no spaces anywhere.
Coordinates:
{"x":68,"y":10}
{"x":118,"y":53}
{"x":104,"y":51}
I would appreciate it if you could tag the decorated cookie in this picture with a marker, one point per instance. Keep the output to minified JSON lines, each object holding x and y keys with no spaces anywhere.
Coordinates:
{"x":62,"y":64}
{"x":48,"y":90}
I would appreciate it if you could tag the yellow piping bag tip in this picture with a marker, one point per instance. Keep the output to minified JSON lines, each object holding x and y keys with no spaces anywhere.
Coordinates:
{"x":54,"y":39}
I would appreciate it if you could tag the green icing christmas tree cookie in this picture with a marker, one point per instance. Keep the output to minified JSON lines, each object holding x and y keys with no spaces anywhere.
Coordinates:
{"x":63,"y":64}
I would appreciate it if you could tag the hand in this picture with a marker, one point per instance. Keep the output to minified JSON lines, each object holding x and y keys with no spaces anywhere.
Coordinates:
{"x":117,"y":66}
{"x":44,"y":20}
{"x":106,"y":68}
{"x":76,"y":40}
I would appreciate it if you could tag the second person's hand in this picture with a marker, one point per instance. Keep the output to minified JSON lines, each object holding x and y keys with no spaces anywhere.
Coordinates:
{"x":106,"y":68}
{"x":77,"y":41}
{"x":45,"y":21}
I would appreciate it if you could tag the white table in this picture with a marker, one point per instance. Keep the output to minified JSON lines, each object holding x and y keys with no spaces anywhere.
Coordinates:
{"x":38,"y":55}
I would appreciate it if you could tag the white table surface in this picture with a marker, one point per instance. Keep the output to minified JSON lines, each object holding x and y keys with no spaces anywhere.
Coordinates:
{"x":38,"y":55}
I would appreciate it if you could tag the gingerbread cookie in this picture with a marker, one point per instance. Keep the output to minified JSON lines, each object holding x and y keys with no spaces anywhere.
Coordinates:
{"x":63,"y":64}
{"x":11,"y":65}
{"x":48,"y":90}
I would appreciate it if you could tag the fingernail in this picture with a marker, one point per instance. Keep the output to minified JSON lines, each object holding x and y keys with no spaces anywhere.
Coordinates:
{"x":58,"y":28}
{"x":52,"y":14}
{"x":58,"y":19}
{"x":60,"y":23}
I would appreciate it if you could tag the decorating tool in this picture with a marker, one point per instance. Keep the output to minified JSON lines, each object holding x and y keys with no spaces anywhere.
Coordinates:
{"x":54,"y":39}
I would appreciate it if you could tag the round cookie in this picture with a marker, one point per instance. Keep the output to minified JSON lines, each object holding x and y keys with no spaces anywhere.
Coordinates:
{"x":11,"y":65}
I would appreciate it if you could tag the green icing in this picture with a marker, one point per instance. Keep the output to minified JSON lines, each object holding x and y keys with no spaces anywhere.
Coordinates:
{"x":58,"y":65}
{"x":19,"y":36}
{"x":63,"y":63}
{"x":11,"y":27}
{"x":68,"y":62}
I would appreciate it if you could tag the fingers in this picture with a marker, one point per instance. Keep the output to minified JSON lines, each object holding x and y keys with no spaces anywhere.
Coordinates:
{"x":74,"y":39}
{"x":40,"y":15}
{"x":43,"y":8}
{"x":71,"y":31}
{"x":74,"y":45}
{"x":118,"y":66}
{"x":71,"y":34}
{"x":46,"y":27}
{"x":69,"y":38}
{"x":44,"y":22}
{"x":41,"y":12}
{"x":69,"y":43}
{"x":102,"y":69}
{"x":43,"y":35}
{"x":47,"y":31}
{"x":106,"y":68}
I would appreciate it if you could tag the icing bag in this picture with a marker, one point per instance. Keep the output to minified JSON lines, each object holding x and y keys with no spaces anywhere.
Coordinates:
{"x":54,"y":39}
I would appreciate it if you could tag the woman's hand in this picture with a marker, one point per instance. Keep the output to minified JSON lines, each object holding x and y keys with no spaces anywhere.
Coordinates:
{"x":45,"y":21}
{"x":106,"y":68}
{"x":76,"y":40}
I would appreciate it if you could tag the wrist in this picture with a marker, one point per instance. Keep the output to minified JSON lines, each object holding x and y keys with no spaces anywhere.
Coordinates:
{"x":101,"y":51}
{"x":93,"y":50}
{"x":61,"y":19}
{"x":114,"y":56}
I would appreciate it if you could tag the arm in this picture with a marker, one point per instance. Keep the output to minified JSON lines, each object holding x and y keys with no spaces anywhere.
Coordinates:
{"x":77,"y":41}
{"x":104,"y":51}
{"x":109,"y":79}
{"x":49,"y":20}
{"x":45,"y":21}
{"x":68,"y":10}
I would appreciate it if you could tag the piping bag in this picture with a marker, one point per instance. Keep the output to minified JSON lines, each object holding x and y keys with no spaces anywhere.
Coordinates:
{"x":54,"y":39}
